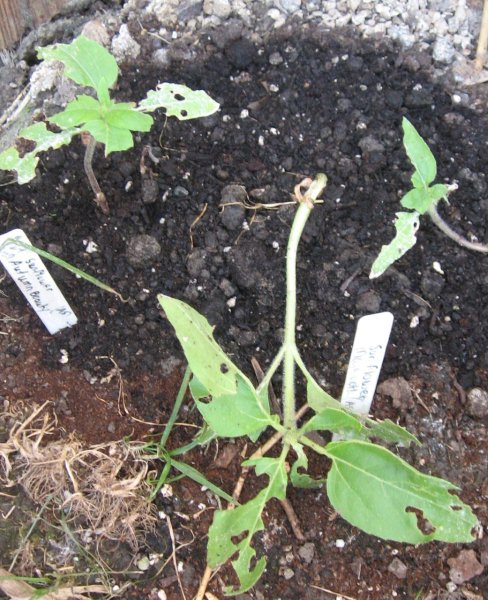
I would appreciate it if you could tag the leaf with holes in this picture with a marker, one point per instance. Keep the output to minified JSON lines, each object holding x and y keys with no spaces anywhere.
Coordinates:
{"x":179,"y":101}
{"x":406,"y":225}
{"x":245,"y":520}
{"x":25,"y":166}
{"x":208,"y":362}
{"x":383,"y":495}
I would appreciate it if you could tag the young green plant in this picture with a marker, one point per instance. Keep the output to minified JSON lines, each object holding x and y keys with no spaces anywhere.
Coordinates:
{"x":110,"y":123}
{"x":367,"y":484}
{"x":421,"y":199}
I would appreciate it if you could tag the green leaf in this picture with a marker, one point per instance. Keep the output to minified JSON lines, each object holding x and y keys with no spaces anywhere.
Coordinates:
{"x":420,"y":155}
{"x":417,"y":199}
{"x":336,"y":420}
{"x":179,"y":101}
{"x":406,"y":225}
{"x":245,"y":519}
{"x":211,"y":366}
{"x":297,"y":477}
{"x":233,"y":415}
{"x":422,"y":199}
{"x":114,"y":138}
{"x":197,"y":390}
{"x":378,"y":492}
{"x":85,"y":62}
{"x":46,"y":139}
{"x":390,"y":432}
{"x":25,"y":166}
{"x":80,"y":110}
{"x":317,"y":398}
{"x":124,"y":116}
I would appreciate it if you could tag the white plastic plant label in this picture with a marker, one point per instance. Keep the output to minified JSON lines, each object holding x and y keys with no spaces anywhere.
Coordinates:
{"x":34,"y":281}
{"x":368,"y":352}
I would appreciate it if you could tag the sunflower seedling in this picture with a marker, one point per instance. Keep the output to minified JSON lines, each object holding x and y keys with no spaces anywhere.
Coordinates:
{"x":367,"y":484}
{"x":102,"y":119}
{"x":421,"y":199}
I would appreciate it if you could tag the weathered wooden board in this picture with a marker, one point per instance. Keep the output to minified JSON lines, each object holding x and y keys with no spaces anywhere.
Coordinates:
{"x":18,"y":15}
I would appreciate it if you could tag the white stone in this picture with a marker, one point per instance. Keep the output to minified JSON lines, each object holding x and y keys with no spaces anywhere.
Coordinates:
{"x":218,"y":8}
{"x":443,"y":51}
{"x":124,"y":46}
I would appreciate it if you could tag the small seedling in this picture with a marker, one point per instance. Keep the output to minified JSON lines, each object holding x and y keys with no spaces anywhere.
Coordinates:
{"x":111,"y":123}
{"x":421,"y":199}
{"x":367,"y":484}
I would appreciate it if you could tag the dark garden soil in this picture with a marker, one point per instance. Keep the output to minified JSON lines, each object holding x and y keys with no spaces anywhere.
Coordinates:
{"x":333,"y":104}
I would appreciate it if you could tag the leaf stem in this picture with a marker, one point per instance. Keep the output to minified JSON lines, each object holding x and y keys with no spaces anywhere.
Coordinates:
{"x":88,"y":166}
{"x":306,"y":202}
{"x":459,"y":239}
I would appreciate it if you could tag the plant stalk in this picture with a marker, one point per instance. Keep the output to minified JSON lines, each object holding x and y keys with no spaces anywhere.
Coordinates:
{"x":459,"y":239}
{"x":88,"y":166}
{"x":305,"y":208}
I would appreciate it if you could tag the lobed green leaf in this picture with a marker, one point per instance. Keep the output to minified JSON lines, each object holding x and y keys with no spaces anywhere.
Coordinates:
{"x":422,"y":199}
{"x":245,"y":520}
{"x":379,"y":492}
{"x":179,"y":101}
{"x":406,"y":225}
{"x":85,"y":62}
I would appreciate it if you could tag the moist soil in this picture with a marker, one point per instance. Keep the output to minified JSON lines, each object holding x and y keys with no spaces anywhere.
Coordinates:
{"x":304,"y":102}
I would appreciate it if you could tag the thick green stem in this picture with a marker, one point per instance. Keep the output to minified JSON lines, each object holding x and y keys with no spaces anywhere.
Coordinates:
{"x":304,"y":210}
{"x":88,"y":166}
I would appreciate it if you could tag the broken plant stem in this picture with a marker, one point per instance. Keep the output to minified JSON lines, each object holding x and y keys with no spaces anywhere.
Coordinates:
{"x":315,"y":188}
{"x":88,"y":166}
{"x":459,"y":239}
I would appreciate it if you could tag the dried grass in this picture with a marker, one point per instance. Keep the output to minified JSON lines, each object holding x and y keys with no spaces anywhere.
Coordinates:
{"x":102,"y":488}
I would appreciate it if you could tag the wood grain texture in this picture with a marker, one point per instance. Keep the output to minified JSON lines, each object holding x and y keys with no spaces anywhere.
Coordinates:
{"x":18,"y":15}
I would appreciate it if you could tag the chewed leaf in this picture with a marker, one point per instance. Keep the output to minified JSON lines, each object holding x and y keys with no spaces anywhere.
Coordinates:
{"x":298,"y":475}
{"x":85,"y":62}
{"x":390,"y":432}
{"x":245,"y":520}
{"x":209,"y":363}
{"x":234,"y":415}
{"x":420,"y":155}
{"x":25,"y":166}
{"x":406,"y":225}
{"x":179,"y":101}
{"x":384,"y":496}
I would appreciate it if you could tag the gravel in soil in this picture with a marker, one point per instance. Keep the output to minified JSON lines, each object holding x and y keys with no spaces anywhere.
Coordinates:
{"x":307,"y":101}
